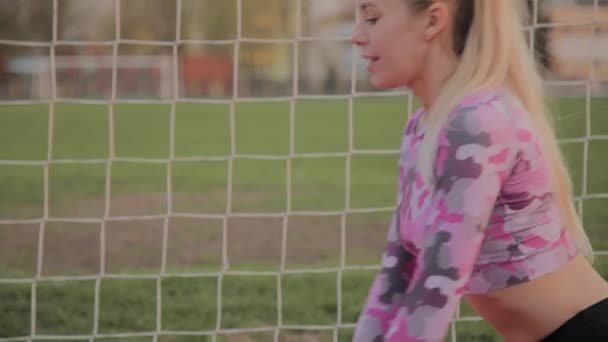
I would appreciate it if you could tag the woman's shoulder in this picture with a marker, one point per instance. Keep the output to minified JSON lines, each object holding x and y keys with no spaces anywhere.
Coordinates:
{"x":493,"y":110}
{"x":482,"y":97}
{"x":488,"y":112}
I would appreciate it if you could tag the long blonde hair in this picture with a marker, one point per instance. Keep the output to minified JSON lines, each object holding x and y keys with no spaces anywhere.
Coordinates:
{"x":495,"y":54}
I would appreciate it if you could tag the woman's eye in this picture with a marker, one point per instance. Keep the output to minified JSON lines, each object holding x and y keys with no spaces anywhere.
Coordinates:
{"x":371,"y":20}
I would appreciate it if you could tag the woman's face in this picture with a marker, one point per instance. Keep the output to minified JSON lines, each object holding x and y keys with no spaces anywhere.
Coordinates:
{"x":393,"y":41}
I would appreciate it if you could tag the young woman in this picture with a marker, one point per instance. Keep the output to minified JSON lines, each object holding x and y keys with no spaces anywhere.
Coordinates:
{"x":484,"y":209}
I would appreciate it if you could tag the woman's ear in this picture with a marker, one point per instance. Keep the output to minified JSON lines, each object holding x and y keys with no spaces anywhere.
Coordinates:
{"x":437,"y":19}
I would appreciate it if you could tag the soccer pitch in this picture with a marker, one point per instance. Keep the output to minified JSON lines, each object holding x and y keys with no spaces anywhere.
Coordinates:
{"x":332,"y":171}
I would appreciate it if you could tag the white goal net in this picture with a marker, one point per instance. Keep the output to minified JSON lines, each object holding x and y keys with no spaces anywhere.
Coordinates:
{"x":205,"y":170}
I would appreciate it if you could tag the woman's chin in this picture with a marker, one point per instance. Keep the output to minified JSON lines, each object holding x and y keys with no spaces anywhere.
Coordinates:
{"x":383,"y":83}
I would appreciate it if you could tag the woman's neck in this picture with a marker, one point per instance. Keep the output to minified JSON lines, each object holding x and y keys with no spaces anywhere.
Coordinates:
{"x":439,"y":67}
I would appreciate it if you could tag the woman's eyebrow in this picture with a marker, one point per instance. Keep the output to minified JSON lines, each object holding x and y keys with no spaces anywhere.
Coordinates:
{"x":365,"y":5}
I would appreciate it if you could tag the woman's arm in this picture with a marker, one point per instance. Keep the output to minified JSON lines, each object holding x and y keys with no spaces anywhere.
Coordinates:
{"x":387,"y":290}
{"x":475,"y":153}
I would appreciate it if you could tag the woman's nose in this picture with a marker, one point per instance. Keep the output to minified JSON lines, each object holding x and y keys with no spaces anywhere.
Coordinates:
{"x":357,"y":37}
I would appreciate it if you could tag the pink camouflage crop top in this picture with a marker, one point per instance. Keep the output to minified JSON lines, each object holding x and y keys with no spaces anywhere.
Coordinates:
{"x":489,"y":222}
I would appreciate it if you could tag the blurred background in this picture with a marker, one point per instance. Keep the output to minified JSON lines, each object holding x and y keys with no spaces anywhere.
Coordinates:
{"x":205,"y":47}
{"x":222,"y":170}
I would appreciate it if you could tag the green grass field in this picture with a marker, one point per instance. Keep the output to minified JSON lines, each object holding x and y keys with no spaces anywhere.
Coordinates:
{"x":76,"y":190}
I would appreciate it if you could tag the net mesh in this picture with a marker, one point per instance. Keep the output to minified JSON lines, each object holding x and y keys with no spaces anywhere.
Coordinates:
{"x":584,"y":104}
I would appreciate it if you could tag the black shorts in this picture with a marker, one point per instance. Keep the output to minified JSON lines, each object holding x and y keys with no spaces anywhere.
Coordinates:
{"x":589,"y":325}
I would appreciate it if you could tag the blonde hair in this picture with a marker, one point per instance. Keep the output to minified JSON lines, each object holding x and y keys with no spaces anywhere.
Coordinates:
{"x":494,"y":56}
